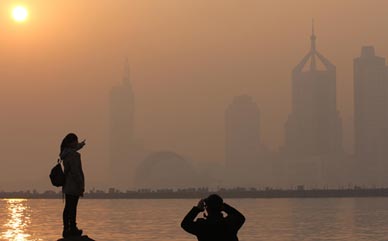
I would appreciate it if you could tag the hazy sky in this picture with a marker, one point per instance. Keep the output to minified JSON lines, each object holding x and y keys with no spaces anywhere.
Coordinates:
{"x":188,"y":60}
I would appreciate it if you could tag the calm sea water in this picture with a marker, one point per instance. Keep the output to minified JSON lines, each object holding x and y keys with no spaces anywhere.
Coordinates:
{"x":148,"y":220}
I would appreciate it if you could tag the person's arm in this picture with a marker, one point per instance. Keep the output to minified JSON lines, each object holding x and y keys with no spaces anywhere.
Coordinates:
{"x":234,"y":216}
{"x":188,"y":223}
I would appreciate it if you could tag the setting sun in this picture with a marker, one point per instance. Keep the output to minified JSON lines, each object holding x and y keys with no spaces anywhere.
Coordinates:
{"x":20,"y":14}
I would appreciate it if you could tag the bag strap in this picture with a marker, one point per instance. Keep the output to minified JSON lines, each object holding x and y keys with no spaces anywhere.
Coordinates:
{"x":61,"y":162}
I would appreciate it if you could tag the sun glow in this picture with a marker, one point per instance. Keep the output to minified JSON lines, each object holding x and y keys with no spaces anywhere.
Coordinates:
{"x":20,"y":13}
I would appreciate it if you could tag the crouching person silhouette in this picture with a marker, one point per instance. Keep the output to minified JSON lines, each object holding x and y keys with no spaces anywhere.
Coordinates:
{"x":214,"y":226}
{"x":74,"y":186}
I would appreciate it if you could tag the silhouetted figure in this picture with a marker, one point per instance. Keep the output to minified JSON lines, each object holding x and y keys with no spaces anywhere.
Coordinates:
{"x":74,"y":186}
{"x":214,"y":226}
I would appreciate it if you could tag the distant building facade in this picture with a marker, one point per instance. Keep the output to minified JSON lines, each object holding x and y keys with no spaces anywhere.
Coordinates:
{"x":122,"y":111}
{"x":371,"y":116}
{"x":314,"y":125}
{"x":242,"y":136}
{"x":166,"y":169}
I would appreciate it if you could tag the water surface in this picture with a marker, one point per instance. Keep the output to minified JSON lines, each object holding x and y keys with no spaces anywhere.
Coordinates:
{"x":359,"y":219}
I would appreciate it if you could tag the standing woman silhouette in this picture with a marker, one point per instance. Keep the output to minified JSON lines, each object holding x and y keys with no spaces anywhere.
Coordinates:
{"x":74,"y":186}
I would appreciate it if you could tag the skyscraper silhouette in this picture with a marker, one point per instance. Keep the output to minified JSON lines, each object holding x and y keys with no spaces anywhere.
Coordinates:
{"x":122,"y":129}
{"x":371,"y":116}
{"x":242,"y":137}
{"x":314,"y":126}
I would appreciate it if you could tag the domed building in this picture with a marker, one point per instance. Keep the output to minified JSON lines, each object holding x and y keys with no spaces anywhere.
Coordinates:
{"x":165,"y":169}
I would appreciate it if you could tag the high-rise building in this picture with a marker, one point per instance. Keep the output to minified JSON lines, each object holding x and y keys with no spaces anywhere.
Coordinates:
{"x":371,"y":116}
{"x":242,"y":129}
{"x":122,"y":128}
{"x":314,"y":126}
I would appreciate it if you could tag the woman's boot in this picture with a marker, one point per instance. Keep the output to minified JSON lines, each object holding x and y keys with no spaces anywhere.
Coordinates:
{"x":74,"y":231}
{"x":66,"y":231}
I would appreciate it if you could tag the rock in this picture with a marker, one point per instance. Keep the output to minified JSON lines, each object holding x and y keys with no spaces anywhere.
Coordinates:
{"x":82,"y":238}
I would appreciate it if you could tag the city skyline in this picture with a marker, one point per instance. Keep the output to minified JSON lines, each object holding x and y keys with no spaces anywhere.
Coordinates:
{"x":123,"y":139}
{"x":312,"y":153}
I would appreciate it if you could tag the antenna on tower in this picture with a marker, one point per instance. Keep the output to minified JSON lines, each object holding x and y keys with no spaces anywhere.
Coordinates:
{"x":312,"y":27}
{"x":313,"y":37}
{"x":126,"y":70}
{"x":313,"y":65}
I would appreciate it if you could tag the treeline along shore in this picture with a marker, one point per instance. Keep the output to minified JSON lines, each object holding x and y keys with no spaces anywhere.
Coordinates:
{"x":195,"y":193}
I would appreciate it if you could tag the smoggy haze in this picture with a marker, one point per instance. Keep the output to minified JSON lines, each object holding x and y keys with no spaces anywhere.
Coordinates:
{"x":188,"y":60}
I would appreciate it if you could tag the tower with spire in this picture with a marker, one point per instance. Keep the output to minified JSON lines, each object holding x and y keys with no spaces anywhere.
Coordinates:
{"x":122,"y":127}
{"x":314,"y":126}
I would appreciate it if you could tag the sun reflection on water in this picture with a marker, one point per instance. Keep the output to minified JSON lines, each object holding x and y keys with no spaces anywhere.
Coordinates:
{"x":18,"y":220}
